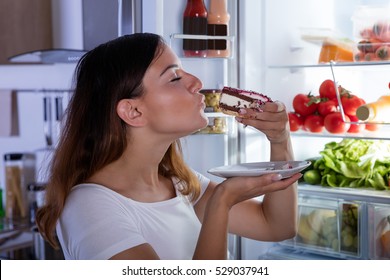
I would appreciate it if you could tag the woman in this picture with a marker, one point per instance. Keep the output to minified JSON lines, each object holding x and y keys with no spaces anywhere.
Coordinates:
{"x":119,"y":188}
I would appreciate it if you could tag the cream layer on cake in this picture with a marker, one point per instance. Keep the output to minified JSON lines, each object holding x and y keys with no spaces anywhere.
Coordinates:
{"x":232,"y":100}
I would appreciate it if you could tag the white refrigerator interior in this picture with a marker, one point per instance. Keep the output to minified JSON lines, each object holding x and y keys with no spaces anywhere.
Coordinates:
{"x":270,"y":39}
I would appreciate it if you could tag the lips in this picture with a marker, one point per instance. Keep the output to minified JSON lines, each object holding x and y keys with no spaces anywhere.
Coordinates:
{"x":202,"y":103}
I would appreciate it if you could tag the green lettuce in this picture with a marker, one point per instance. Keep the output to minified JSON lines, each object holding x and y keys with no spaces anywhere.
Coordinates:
{"x":355,"y":163}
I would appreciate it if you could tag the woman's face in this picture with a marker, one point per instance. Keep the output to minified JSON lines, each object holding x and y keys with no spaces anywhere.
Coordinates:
{"x":172,"y":103}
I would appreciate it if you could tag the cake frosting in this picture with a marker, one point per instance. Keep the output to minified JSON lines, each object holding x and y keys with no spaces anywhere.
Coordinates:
{"x":233,"y":99}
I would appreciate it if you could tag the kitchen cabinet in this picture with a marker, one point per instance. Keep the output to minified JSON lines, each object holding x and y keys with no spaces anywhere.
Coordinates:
{"x":25,"y":26}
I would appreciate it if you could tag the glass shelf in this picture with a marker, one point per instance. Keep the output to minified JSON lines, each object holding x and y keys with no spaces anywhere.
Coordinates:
{"x":383,"y":133}
{"x":334,"y":64}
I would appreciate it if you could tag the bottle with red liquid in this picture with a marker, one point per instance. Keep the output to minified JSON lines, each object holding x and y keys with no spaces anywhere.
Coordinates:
{"x":195,"y":23}
{"x":218,"y":23}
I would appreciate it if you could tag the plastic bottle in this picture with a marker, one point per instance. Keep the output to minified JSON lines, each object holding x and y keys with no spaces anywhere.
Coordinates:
{"x":195,"y":23}
{"x":218,"y":25}
{"x":378,"y":111}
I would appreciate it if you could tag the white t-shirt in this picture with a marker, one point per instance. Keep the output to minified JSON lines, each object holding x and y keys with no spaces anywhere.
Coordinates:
{"x":98,"y":223}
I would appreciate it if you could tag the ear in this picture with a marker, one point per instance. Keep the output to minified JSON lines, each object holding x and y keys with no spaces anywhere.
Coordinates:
{"x":127,"y":110}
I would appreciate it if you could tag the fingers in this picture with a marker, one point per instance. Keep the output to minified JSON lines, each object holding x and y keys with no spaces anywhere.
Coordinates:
{"x":249,"y":187}
{"x":271,"y":119}
{"x":271,"y":111}
{"x":276,"y":107}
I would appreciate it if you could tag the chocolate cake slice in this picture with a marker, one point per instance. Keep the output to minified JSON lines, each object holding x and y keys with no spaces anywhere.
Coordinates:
{"x":233,"y":99}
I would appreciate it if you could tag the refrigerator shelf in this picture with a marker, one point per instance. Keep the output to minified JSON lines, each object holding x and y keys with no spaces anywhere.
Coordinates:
{"x":383,"y":133}
{"x":364,"y":64}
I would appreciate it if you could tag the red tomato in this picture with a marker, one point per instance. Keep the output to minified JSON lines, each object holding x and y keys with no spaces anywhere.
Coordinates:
{"x":327,"y":89}
{"x":305,"y":104}
{"x":350,"y":103}
{"x":355,"y":128}
{"x":295,"y":121}
{"x":334,"y":123}
{"x":327,"y":107}
{"x":371,"y":126}
{"x":314,"y":123}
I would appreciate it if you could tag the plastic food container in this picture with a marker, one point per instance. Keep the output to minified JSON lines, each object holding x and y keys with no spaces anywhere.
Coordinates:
{"x":336,"y":50}
{"x":371,"y":28}
{"x":217,"y":124}
{"x":212,"y":97}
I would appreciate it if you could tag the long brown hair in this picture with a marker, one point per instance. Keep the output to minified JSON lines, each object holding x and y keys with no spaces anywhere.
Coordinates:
{"x":93,"y":134}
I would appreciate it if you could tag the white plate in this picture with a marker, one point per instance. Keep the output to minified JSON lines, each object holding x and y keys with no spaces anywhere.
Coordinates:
{"x":285,"y":168}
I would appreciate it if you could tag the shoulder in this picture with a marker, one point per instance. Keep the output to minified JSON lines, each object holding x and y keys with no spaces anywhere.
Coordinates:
{"x":97,"y":209}
{"x":89,"y":201}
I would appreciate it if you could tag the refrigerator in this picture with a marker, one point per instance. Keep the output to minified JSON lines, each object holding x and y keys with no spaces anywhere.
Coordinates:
{"x":268,"y":54}
{"x":276,"y":50}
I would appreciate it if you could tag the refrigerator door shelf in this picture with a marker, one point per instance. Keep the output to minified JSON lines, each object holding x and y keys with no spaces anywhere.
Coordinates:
{"x":176,"y":41}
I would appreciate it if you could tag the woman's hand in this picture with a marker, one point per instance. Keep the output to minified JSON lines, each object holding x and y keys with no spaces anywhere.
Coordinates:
{"x":237,"y":189}
{"x":271,"y":119}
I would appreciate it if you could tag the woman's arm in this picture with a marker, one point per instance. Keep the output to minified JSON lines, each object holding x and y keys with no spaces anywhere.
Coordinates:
{"x":275,"y":217}
{"x":278,"y":210}
{"x":229,"y":207}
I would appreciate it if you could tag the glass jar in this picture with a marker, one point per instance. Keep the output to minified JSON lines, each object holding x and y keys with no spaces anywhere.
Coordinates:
{"x":211,"y":99}
{"x":19,"y":172}
{"x":36,"y":198}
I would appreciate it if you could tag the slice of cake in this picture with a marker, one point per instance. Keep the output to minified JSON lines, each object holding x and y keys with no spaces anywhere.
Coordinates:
{"x":233,"y":99}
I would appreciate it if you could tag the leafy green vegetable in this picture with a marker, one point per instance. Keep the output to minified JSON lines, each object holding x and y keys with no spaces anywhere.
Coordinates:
{"x":355,"y":163}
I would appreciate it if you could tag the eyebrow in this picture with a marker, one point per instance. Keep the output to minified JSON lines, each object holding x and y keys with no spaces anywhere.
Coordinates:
{"x":169,"y":67}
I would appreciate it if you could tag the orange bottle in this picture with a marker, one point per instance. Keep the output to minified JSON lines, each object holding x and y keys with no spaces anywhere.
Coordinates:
{"x":218,"y":25}
{"x":378,"y":111}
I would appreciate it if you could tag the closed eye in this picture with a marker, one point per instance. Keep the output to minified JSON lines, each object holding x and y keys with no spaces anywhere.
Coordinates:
{"x":176,"y":79}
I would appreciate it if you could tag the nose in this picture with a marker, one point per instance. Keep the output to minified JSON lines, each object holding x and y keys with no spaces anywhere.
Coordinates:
{"x":195,"y":84}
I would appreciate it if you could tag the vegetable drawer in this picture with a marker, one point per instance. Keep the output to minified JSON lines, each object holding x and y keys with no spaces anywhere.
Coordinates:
{"x":343,"y":223}
{"x":379,"y":231}
{"x":329,"y":227}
